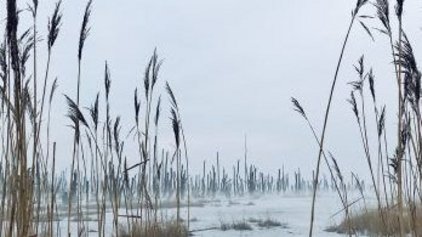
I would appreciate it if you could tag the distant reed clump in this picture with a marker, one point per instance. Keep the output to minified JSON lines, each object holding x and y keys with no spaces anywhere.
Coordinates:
{"x":241,"y":225}
{"x":159,"y":229}
{"x":270,"y":223}
{"x":395,"y":169}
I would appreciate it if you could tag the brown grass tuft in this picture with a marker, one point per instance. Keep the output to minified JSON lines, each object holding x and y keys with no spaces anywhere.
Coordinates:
{"x":370,"y":223}
{"x":157,"y":229}
{"x":241,"y":225}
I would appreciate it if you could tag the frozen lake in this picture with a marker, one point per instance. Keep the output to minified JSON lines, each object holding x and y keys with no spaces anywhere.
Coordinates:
{"x":290,"y":209}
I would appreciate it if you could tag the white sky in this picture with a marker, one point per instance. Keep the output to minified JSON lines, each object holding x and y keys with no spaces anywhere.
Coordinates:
{"x":234,"y":66}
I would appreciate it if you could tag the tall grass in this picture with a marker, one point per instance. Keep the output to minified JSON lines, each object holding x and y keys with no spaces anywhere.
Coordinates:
{"x":355,"y":12}
{"x":103,"y":182}
{"x":30,"y":184}
{"x":396,"y":182}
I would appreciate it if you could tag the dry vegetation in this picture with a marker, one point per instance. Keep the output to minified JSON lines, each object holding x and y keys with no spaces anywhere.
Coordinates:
{"x":100,"y":180}
{"x":270,"y":223}
{"x":370,"y":223}
{"x":159,"y":229}
{"x":245,"y":225}
{"x":239,"y":225}
{"x":395,"y":169}
{"x":34,"y":195}
{"x":101,"y":188}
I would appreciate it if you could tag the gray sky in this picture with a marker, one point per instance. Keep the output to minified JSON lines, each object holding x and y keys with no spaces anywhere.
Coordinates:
{"x":234,"y":66}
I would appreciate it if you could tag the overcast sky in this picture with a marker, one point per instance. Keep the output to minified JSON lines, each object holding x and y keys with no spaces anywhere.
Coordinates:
{"x":234,"y":66}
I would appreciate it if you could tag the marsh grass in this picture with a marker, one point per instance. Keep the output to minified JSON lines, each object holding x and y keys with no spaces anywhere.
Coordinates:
{"x":158,"y":229}
{"x":266,"y":223}
{"x":369,"y":222}
{"x":31,"y":186}
{"x":395,"y":175}
{"x":355,"y":12}
{"x":133,"y":193}
{"x":270,"y":223}
{"x":238,"y":225}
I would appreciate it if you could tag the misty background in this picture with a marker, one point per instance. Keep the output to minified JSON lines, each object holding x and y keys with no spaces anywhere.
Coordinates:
{"x":233,"y":66}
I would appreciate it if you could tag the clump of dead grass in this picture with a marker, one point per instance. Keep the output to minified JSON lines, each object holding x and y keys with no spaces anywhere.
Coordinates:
{"x":240,"y":225}
{"x":270,"y":223}
{"x":370,"y":222}
{"x":156,"y":229}
{"x":267,"y":222}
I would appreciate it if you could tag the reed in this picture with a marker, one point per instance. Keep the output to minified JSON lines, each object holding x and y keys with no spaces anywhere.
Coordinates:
{"x":31,"y":190}
{"x":355,"y":12}
{"x":396,"y":182}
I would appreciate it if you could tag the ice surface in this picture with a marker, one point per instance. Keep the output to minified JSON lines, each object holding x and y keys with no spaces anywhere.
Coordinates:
{"x":292,"y":209}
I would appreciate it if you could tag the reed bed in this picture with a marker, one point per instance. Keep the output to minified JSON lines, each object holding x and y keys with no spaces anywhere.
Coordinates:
{"x":34,"y":196}
{"x":395,"y":169}
{"x":369,"y":222}
{"x":101,"y":187}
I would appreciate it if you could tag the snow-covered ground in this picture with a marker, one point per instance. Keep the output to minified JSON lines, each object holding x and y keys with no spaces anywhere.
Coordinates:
{"x":291,"y":209}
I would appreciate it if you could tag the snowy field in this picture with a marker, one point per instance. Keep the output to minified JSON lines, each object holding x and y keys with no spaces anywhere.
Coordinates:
{"x":292,"y":210}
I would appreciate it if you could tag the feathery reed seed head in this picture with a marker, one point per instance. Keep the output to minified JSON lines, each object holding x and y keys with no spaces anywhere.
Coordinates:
{"x":54,"y":25}
{"x":84,"y":29}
